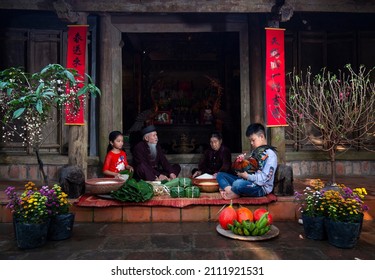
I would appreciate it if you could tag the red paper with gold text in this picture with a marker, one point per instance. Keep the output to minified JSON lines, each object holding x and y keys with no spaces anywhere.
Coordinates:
{"x":275,"y":78}
{"x":76,"y":59}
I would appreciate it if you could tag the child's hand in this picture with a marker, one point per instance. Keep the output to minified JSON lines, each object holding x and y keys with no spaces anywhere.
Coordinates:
{"x":242,"y":175}
{"x":240,"y":157}
{"x":130,"y":168}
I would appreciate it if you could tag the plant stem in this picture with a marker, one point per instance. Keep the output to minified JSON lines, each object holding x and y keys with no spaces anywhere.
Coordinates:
{"x":41,"y":169}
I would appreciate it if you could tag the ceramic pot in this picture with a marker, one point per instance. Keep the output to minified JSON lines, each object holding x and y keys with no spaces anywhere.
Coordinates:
{"x":31,"y":235}
{"x":314,"y":227}
{"x":343,"y":234}
{"x":61,"y":226}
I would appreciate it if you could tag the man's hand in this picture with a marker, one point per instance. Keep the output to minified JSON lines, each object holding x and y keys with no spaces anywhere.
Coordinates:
{"x":172,"y":176}
{"x":161,"y":178}
{"x":196,"y":173}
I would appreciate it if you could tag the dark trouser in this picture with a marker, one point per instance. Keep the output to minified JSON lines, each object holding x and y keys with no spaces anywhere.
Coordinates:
{"x":238,"y":185}
{"x":144,"y":172}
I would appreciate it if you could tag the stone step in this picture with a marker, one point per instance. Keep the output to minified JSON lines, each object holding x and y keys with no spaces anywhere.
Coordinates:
{"x":284,"y":209}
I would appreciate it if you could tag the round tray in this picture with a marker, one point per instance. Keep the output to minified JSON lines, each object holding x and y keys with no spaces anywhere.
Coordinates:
{"x":103,"y":185}
{"x":273,"y":232}
{"x":207,"y":185}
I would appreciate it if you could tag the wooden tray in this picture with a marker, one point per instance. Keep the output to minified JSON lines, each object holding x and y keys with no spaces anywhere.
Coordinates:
{"x":206,"y":185}
{"x":273,"y":232}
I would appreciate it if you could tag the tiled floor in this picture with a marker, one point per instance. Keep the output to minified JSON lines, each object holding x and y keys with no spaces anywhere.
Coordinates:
{"x":183,"y":241}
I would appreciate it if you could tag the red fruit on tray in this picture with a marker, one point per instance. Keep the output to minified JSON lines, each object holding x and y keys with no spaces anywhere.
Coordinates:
{"x":258,"y":214}
{"x":244,"y":214}
{"x":227,"y":216}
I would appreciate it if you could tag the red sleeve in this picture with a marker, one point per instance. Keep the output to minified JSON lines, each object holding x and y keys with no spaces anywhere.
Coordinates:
{"x":107,"y":161}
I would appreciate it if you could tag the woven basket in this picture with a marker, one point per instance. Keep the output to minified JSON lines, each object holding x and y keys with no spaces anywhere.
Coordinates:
{"x":103,"y":185}
{"x":207,"y":185}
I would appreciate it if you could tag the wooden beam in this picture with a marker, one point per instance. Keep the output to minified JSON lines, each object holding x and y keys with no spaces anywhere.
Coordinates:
{"x":193,"y":6}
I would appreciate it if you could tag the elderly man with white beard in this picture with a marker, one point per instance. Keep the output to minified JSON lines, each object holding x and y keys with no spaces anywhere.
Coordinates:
{"x":150,"y":163}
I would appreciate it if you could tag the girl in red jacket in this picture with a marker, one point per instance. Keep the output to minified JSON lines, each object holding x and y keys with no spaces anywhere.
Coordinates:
{"x":115,"y":160}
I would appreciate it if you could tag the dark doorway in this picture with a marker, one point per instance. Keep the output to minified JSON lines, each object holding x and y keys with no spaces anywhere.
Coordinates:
{"x":187,"y":84}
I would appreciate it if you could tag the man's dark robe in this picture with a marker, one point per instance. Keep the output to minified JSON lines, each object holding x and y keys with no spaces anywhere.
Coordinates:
{"x":147,"y":168}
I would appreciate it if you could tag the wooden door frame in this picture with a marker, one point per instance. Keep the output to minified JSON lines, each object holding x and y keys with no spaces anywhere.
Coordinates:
{"x":174,"y":23}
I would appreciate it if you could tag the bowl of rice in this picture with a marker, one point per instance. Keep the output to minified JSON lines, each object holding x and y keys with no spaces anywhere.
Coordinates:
{"x":207,"y":185}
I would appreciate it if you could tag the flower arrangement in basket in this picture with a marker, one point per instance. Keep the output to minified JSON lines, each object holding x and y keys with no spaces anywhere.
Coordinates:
{"x":338,"y":202}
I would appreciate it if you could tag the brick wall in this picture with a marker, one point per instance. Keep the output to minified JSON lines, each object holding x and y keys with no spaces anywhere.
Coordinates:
{"x":343,"y":168}
{"x":300,"y":169}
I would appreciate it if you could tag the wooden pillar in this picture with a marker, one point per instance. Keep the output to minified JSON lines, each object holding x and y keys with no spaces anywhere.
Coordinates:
{"x":277,"y":140}
{"x":110,"y":82}
{"x":245,"y":87}
{"x":78,"y":137}
{"x":256,"y":69}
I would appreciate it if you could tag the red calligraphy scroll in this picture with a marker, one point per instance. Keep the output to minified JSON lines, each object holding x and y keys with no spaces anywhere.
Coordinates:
{"x":275,"y":78}
{"x":76,"y":59}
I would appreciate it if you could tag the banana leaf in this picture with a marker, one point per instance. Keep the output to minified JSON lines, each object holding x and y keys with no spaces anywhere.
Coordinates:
{"x":133,"y":191}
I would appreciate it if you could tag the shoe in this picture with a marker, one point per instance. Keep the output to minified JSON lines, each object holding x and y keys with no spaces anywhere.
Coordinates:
{"x":300,"y":221}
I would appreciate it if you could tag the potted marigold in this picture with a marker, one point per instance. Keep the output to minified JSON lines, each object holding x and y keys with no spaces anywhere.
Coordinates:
{"x":30,"y":216}
{"x":61,"y":224}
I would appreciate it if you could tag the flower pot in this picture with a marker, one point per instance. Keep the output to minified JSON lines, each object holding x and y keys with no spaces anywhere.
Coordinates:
{"x":343,"y":234}
{"x":31,"y":235}
{"x":314,"y":227}
{"x":61,"y":227}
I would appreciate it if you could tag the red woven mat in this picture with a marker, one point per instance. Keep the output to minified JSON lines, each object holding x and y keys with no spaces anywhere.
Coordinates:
{"x":88,"y":200}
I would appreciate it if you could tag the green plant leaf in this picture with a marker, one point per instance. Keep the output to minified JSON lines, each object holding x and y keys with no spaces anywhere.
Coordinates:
{"x":14,"y":102}
{"x":89,"y":78}
{"x":39,"y":106}
{"x":18,"y":113}
{"x":82,"y":91}
{"x":49,"y":93}
{"x":41,"y":85}
{"x":3,"y":84}
{"x":70,"y":76}
{"x":45,"y":69}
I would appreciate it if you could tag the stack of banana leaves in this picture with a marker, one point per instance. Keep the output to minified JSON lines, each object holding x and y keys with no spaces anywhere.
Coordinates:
{"x":133,"y":191}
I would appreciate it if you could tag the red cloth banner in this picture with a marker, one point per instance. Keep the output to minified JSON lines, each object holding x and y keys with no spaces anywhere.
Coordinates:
{"x":275,"y":78}
{"x":76,"y":59}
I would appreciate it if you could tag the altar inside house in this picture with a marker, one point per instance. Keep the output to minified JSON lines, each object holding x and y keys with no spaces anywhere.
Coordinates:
{"x":187,"y":85}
